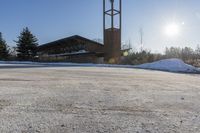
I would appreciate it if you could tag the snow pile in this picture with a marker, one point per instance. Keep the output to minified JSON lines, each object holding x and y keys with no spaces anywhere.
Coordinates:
{"x":172,"y":65}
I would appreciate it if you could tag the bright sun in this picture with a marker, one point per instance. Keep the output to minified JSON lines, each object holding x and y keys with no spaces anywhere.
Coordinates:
{"x":172,"y":29}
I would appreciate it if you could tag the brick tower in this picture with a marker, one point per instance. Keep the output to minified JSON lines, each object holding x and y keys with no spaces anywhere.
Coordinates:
{"x":112,"y":31}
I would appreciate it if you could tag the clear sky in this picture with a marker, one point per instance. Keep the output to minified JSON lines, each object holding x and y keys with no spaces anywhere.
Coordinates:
{"x":50,"y":20}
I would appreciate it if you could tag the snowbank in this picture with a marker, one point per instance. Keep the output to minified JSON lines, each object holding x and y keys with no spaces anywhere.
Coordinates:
{"x":172,"y":65}
{"x":64,"y":64}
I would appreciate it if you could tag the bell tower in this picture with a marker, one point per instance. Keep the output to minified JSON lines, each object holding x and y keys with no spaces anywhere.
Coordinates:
{"x":112,"y":10}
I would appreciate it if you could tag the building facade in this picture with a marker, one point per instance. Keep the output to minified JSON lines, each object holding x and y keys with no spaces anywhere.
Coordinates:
{"x":72,"y":49}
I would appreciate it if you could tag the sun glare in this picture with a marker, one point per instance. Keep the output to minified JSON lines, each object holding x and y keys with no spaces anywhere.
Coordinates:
{"x":172,"y":29}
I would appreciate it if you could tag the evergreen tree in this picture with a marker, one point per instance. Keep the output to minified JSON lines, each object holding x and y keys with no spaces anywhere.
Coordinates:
{"x":26,"y":45}
{"x":4,"y":52}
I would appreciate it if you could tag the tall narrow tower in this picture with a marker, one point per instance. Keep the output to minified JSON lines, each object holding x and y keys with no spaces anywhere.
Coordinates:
{"x":112,"y":31}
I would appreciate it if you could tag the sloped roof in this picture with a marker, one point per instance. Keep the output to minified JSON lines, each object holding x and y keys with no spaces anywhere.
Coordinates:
{"x":68,"y":39}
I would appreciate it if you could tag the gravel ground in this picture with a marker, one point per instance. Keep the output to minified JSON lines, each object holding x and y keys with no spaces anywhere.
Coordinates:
{"x":38,"y":99}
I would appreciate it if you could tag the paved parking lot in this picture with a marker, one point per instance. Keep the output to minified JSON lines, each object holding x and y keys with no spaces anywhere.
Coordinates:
{"x":36,"y":98}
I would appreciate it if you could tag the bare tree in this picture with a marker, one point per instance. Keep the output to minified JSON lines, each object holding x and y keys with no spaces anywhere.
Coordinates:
{"x":141,"y":39}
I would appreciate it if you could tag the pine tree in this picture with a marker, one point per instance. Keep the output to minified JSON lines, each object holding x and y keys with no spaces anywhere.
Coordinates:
{"x":26,"y":45}
{"x":4,"y":52}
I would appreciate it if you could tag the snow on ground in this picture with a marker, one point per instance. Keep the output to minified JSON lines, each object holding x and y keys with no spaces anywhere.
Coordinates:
{"x":171,"y":65}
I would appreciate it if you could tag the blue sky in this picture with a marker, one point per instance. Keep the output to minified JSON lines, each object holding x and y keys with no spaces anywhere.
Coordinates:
{"x":50,"y":20}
